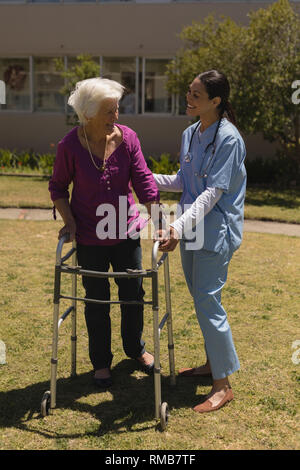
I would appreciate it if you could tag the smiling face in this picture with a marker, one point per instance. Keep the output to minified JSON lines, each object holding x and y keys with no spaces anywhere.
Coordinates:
{"x":198,"y":102}
{"x":106,"y":116}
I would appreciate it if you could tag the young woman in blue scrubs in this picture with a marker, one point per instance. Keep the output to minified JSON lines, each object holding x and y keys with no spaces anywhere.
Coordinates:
{"x":212,"y":178}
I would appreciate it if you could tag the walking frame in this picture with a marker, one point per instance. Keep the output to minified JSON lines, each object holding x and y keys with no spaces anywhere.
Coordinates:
{"x":49,"y":398}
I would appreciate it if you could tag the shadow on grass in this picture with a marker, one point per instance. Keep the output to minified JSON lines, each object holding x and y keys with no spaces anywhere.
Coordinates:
{"x":132,"y":403}
{"x":33,"y":177}
{"x":289,"y":199}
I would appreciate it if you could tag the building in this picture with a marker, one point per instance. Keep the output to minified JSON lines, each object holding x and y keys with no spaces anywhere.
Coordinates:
{"x":130,"y":40}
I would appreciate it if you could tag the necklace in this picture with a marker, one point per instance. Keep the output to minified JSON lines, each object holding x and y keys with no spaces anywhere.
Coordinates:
{"x":102,"y":167}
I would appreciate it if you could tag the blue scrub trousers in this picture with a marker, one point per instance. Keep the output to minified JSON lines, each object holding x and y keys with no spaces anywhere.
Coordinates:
{"x":206,"y":274}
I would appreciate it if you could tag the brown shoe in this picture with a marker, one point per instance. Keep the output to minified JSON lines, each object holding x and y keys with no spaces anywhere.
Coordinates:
{"x":207,"y":406}
{"x":192,"y":372}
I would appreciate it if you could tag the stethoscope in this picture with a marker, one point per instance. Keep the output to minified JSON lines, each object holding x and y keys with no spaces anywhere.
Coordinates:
{"x":188,"y":156}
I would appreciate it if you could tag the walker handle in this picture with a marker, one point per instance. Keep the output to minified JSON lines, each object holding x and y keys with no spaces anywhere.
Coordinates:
{"x":64,"y":239}
{"x":155,"y":264}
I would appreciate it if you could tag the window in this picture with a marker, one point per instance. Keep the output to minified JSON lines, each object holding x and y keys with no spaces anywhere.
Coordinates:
{"x":156,"y":98}
{"x":72,"y":1}
{"x":136,"y":1}
{"x":73,"y":62}
{"x":122,"y":70}
{"x":80,"y":1}
{"x":35,"y":84}
{"x":47,"y":85}
{"x":16,"y":76}
{"x":44,"y":1}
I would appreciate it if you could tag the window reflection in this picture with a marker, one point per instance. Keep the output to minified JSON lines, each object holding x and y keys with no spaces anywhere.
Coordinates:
{"x":47,"y":85}
{"x":122,"y":70}
{"x":72,"y":65}
{"x":44,"y":1}
{"x":134,"y":1}
{"x":81,"y":1}
{"x":157,"y":99}
{"x":73,"y":62}
{"x":144,"y":81}
{"x":15,"y":74}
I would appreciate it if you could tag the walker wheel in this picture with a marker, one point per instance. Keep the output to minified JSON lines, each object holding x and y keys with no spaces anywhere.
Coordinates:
{"x":164,"y":415}
{"x":45,"y":404}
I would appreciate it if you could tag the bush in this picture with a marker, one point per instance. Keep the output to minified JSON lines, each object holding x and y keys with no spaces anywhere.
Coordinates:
{"x":26,"y":160}
{"x":164,"y":165}
{"x":46,"y":162}
{"x":280,"y":171}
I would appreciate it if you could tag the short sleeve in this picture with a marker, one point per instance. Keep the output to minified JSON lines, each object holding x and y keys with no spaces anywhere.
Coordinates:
{"x":225,"y":165}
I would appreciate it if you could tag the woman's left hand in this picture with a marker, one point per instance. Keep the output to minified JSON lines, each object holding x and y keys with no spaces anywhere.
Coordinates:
{"x":168,"y":239}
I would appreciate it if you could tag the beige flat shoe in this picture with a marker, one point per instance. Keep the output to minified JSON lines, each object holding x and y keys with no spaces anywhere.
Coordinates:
{"x":207,"y":405}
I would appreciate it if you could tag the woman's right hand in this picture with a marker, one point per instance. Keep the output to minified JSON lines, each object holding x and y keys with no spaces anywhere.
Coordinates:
{"x":70,"y":228}
{"x":63,"y":207}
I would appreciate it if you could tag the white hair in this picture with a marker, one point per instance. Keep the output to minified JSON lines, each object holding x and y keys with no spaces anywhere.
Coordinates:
{"x":88,"y":94}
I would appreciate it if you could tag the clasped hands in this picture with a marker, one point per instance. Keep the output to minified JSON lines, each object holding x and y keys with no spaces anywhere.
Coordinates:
{"x":168,"y":239}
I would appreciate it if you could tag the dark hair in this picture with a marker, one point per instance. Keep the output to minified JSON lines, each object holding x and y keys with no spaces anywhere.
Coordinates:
{"x":216,"y":84}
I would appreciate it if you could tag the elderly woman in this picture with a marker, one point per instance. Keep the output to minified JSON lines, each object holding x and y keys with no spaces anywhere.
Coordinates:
{"x":104,"y":160}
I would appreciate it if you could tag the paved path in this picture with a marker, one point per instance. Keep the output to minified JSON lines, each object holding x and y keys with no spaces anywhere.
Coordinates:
{"x":250,"y":225}
{"x":272,"y":227}
{"x":27,"y":214}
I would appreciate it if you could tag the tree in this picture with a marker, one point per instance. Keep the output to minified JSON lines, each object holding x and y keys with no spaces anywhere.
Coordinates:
{"x":261,"y":61}
{"x":84,"y":67}
{"x":272,"y":60}
{"x":213,"y":44}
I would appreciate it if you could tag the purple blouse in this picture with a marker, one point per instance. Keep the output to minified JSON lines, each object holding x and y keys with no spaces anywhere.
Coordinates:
{"x":125,"y":168}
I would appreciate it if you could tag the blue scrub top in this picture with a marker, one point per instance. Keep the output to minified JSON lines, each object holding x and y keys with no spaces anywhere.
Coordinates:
{"x":226,"y":171}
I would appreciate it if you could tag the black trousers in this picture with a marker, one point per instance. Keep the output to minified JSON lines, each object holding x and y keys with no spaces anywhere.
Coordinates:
{"x":126,"y":254}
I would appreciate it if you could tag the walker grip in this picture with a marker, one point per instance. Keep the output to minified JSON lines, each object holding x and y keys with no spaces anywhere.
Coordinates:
{"x":136,"y":271}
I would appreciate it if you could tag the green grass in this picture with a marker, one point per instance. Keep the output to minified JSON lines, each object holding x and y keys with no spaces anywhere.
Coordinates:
{"x":26,"y":192}
{"x":261,"y":203}
{"x":262,"y":300}
{"x":270,"y":204}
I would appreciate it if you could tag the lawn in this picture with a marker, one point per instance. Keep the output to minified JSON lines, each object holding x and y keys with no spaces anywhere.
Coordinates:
{"x":261,"y":203}
{"x":21,"y":191}
{"x":262,"y":300}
